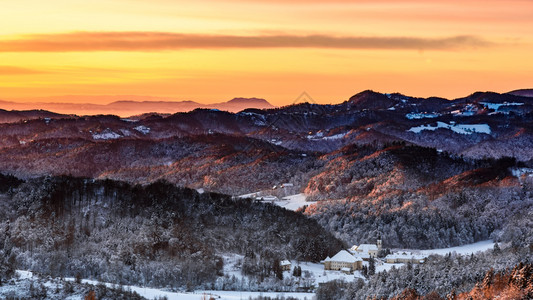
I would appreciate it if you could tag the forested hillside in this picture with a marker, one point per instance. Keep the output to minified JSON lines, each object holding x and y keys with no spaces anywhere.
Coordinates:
{"x":157,"y":234}
{"x":419,"y":198}
{"x":412,"y":196}
{"x":497,"y":272}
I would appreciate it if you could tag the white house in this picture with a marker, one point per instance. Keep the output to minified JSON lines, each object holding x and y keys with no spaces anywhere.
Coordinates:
{"x":343,"y":260}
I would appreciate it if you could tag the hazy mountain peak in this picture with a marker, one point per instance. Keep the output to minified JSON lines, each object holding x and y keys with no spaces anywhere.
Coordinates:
{"x":136,"y":105}
{"x":249,"y":100}
{"x":121,"y":102}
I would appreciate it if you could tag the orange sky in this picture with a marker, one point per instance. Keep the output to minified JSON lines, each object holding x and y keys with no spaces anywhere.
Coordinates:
{"x":211,"y":51}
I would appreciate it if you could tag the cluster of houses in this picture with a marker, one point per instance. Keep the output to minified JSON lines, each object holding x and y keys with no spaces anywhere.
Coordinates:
{"x":349,"y":260}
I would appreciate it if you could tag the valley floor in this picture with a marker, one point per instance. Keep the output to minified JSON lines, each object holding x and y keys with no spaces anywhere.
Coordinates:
{"x":315,"y":275}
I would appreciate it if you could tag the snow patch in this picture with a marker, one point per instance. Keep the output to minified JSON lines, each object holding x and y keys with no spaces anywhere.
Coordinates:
{"x":518,"y":172}
{"x":276,"y":142}
{"x":142,"y":129}
{"x":457,"y":128}
{"x":497,"y":106}
{"x":294,"y":202}
{"x":106,"y":135}
{"x":418,"y":116}
{"x":461,"y":113}
{"x":320,"y":136}
{"x":335,"y":136}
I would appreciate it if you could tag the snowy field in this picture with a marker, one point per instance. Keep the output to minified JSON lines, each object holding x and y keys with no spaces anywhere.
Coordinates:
{"x":418,"y":116}
{"x":153,"y":293}
{"x":292,"y":202}
{"x":463,"y":250}
{"x":457,"y":128}
{"x":496,"y":106}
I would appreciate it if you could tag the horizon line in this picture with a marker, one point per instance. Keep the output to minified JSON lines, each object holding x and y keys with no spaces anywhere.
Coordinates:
{"x":174,"y":99}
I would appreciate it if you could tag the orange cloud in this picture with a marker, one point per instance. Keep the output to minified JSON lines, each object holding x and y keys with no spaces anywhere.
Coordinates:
{"x":158,"y":41}
{"x":11,"y":70}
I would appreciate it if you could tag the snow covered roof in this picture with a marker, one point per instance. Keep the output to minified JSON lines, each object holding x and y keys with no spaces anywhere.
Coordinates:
{"x":367,"y":247}
{"x":361,"y":255}
{"x":344,"y":256}
{"x":285,"y":263}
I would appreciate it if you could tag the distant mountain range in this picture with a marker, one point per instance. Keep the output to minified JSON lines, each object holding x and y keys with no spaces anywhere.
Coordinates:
{"x":134,"y":105}
{"x":398,"y":152}
{"x":481,"y":125}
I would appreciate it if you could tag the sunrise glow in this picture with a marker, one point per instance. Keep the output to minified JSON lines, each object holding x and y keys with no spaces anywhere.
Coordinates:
{"x":210,"y":51}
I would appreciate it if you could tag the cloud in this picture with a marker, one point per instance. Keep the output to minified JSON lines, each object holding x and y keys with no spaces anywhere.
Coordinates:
{"x":160,"y":41}
{"x":11,"y":70}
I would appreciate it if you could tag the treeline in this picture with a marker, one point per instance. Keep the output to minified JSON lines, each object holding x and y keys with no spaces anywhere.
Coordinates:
{"x":157,"y":234}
